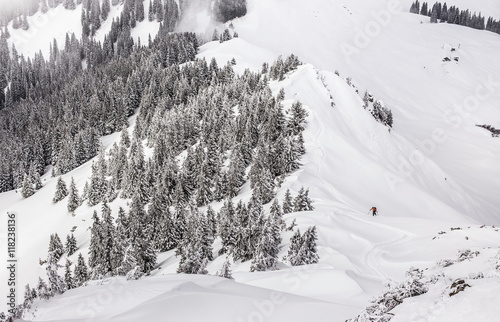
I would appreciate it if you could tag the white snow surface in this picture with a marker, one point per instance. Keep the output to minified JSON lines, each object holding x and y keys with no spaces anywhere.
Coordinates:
{"x":433,"y":171}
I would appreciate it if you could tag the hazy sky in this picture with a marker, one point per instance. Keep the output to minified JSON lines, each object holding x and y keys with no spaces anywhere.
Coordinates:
{"x":8,"y":4}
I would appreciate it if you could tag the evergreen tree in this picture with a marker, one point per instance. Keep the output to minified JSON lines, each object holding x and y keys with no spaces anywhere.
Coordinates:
{"x":24,"y":23}
{"x":151,"y":11}
{"x":108,"y":240}
{"x":68,"y":278}
{"x":139,"y":10}
{"x":308,"y":252}
{"x":56,"y":248}
{"x":196,"y":249}
{"x":29,"y":297}
{"x":302,"y":202}
{"x":106,"y":7}
{"x":69,"y":4}
{"x":298,"y":118}
{"x":81,"y":274}
{"x":264,"y":186}
{"x":61,"y":190}
{"x":276,"y":214}
{"x":266,"y":252}
{"x":211,"y":221}
{"x":43,"y":6}
{"x":27,"y":189}
{"x":225,"y":270}
{"x":96,"y":247}
{"x":294,"y":249}
{"x":124,"y":137}
{"x":56,"y":282}
{"x":37,"y":181}
{"x":287,"y":202}
{"x":70,"y":245}
{"x":74,"y":199}
{"x":434,"y":14}
{"x":129,"y":262}
{"x":303,"y":249}
{"x":140,"y":231}
{"x":44,"y":292}
{"x":96,"y":189}
{"x":227,"y":228}
{"x":226,"y":10}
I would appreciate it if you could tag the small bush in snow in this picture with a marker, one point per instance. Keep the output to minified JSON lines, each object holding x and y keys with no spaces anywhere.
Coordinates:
{"x":444,"y":263}
{"x":464,"y":254}
{"x":457,"y":286}
{"x":476,"y":276}
{"x":394,"y":293}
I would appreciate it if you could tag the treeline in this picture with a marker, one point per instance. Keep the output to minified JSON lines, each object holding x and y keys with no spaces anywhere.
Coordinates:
{"x":225,"y":10}
{"x":456,"y":16}
{"x":55,"y":110}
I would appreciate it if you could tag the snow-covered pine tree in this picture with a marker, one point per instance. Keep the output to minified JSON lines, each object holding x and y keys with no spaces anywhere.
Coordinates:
{"x":211,"y":221}
{"x":225,"y":270}
{"x":308,"y":252}
{"x":44,"y":7}
{"x":276,"y":214}
{"x":157,"y":213}
{"x":29,"y":297}
{"x":69,"y":4}
{"x":81,"y":274}
{"x":56,"y":282}
{"x":151,"y":11}
{"x":205,"y":236}
{"x":106,"y":7}
{"x":241,"y":249}
{"x":61,"y":190}
{"x":227,"y":228}
{"x":302,"y":202}
{"x":85,"y":192}
{"x":96,"y":247}
{"x":70,"y":246}
{"x":97,"y":186}
{"x":139,"y":10}
{"x":124,"y":137}
{"x":56,"y":247}
{"x":118,"y":252}
{"x":294,"y":249}
{"x":140,"y":236}
{"x":256,"y":223}
{"x":129,"y":263}
{"x":68,"y":278}
{"x":108,"y":239}
{"x":204,"y":194}
{"x":298,"y":119}
{"x":27,"y":187}
{"x":266,"y":252}
{"x":235,"y":174}
{"x":287,"y":202}
{"x":195,"y":248}
{"x":134,"y":181}
{"x":73,"y":199}
{"x":37,"y":181}
{"x":44,"y":292}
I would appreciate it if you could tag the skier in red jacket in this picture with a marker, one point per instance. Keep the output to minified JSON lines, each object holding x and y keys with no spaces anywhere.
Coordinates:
{"x":374,"y":211}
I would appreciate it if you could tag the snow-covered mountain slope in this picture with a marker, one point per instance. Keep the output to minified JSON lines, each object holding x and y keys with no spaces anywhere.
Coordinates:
{"x":57,"y":22}
{"x":435,"y":170}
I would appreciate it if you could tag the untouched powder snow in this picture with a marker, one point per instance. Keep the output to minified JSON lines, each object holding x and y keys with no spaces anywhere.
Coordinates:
{"x":433,"y":171}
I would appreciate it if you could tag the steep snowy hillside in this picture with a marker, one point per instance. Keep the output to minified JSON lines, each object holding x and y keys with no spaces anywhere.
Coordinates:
{"x":433,"y":171}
